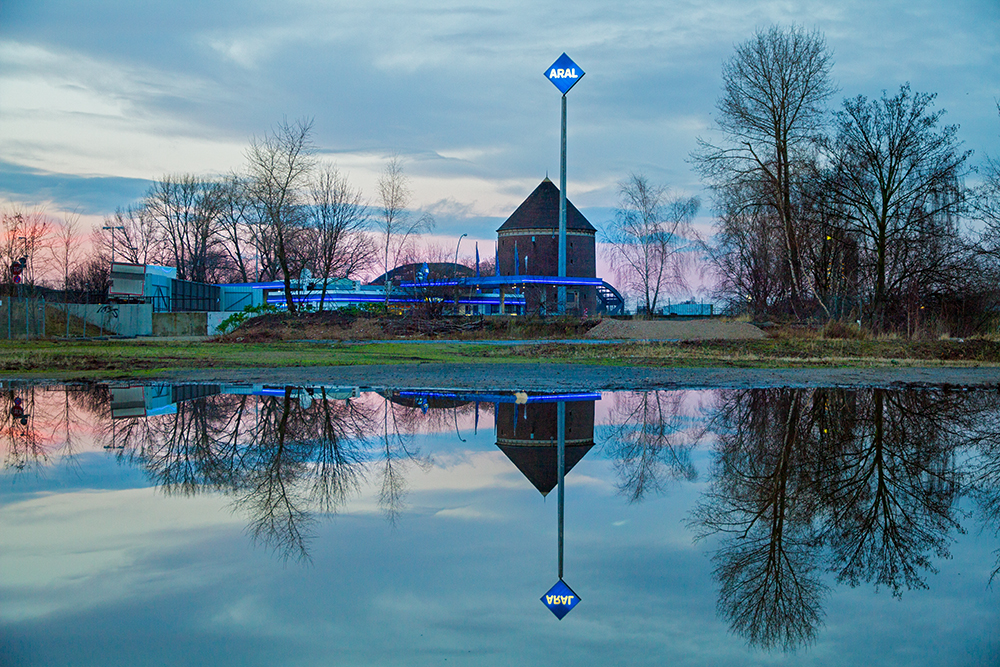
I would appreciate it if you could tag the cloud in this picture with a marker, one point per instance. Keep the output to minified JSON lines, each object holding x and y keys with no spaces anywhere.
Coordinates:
{"x":456,"y":88}
{"x":89,"y":195}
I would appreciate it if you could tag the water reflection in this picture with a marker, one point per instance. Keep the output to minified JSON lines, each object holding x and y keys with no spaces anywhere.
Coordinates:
{"x":806,"y":489}
{"x":649,"y":437}
{"x":283,"y":454}
{"x":863,"y":484}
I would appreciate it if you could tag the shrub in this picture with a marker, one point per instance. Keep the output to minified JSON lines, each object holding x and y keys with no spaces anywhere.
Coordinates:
{"x":248,"y":313}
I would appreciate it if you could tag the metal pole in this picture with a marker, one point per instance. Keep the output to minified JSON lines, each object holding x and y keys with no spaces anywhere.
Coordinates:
{"x":562,"y":216}
{"x":561,"y":427}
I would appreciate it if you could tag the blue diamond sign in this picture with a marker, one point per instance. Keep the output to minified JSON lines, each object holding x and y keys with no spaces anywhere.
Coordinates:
{"x":564,"y":73}
{"x":560,"y":599}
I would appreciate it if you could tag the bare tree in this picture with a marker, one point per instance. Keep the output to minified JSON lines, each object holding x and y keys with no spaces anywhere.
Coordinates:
{"x":23,"y":234}
{"x":338,"y":224}
{"x":66,"y":249}
{"x":776,"y":86}
{"x":986,"y":205}
{"x":395,"y":223}
{"x":647,"y":238}
{"x":237,"y":222}
{"x":187,"y":210}
{"x":280,"y":166}
{"x":137,"y":236}
{"x":742,"y":256}
{"x":899,"y":184}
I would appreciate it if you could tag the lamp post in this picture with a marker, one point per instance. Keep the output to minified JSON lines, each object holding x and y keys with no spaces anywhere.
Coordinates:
{"x":457,"y":246}
{"x":454,"y":272}
{"x":113,"y":228}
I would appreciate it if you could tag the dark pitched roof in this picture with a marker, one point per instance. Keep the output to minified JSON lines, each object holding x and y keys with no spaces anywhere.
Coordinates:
{"x":540,"y":463}
{"x":541,"y":210}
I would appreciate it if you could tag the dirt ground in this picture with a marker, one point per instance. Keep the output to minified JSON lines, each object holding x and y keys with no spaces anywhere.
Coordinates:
{"x":582,"y":377}
{"x":674,"y":330}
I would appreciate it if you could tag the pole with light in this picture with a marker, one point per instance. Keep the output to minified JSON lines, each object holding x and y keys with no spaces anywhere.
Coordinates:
{"x":563,"y":73}
{"x":454,"y":270}
{"x":113,"y":228}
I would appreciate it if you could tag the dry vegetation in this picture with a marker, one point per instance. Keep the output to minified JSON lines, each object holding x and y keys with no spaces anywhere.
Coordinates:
{"x":340,"y":325}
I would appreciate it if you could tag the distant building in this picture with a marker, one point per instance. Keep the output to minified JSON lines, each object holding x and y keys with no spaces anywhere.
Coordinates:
{"x":528,"y":245}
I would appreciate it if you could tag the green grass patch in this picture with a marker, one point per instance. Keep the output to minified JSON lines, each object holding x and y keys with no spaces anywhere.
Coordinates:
{"x":137,"y":358}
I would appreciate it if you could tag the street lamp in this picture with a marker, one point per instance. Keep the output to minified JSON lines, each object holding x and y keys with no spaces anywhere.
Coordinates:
{"x":454,"y":271}
{"x":457,"y":246}
{"x":113,"y":228}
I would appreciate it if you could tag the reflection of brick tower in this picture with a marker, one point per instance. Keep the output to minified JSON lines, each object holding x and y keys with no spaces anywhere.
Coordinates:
{"x":534,"y":230}
{"x":527,"y":435}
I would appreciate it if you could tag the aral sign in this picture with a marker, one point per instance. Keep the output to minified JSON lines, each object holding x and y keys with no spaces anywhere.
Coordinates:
{"x":564,"y":73}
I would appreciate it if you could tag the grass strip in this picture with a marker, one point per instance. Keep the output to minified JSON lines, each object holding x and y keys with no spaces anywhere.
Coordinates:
{"x":136,"y":358}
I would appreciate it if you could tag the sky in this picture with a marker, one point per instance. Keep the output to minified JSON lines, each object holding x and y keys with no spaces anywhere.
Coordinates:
{"x":100,"y":97}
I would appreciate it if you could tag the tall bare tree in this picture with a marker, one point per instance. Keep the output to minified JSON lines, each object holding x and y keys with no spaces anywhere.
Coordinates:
{"x":775,"y":89}
{"x":647,"y":238}
{"x":339,"y":222}
{"x":395,"y":222}
{"x":899,"y":183}
{"x":280,"y":165}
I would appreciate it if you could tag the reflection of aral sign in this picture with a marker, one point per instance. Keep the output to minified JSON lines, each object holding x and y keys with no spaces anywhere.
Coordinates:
{"x":560,"y":599}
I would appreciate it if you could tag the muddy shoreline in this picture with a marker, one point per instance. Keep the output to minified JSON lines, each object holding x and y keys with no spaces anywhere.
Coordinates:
{"x":564,"y":377}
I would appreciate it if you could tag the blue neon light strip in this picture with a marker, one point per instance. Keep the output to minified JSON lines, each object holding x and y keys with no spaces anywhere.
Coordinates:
{"x":513,"y":300}
{"x":510,"y":280}
{"x":503,"y":398}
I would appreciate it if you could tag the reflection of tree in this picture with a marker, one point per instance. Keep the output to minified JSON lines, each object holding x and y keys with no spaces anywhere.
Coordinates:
{"x":647,"y":440}
{"x":984,"y":440}
{"x":282,"y":458}
{"x":36,"y":423}
{"x":891,"y":491}
{"x":397,"y":423}
{"x":761,"y":499}
{"x":862,"y":482}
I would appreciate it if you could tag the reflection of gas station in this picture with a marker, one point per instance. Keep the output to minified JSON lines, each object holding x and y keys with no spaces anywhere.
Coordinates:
{"x":528,"y":436}
{"x":544,"y":436}
{"x":149,"y":400}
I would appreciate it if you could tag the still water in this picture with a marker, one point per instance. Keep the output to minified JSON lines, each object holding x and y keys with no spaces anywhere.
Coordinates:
{"x":259,"y":525}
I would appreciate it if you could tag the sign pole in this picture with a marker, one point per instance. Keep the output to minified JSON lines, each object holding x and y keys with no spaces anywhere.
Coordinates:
{"x":562,"y":209}
{"x":561,"y":428}
{"x":564,"y":74}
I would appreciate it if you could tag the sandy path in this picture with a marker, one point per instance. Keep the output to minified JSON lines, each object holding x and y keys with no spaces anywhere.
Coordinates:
{"x":674,"y":330}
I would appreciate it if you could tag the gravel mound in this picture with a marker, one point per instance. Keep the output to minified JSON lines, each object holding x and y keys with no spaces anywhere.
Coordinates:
{"x":674,"y":330}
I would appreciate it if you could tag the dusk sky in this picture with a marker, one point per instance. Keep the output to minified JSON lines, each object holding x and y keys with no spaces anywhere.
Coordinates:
{"x":98,"y":98}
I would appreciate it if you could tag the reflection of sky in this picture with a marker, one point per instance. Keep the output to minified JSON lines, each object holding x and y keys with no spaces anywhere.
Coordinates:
{"x":101,"y":569}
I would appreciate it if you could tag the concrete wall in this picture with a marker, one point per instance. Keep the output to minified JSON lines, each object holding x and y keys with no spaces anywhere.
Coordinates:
{"x":180,"y":324}
{"x":121,"y":319}
{"x":214,"y":320}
